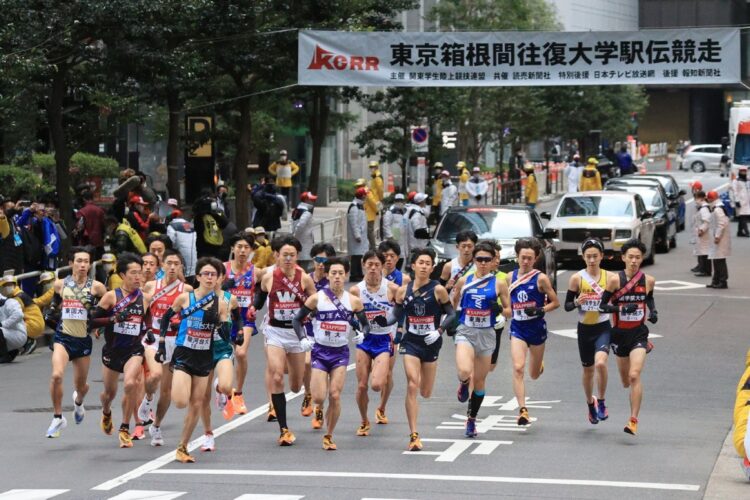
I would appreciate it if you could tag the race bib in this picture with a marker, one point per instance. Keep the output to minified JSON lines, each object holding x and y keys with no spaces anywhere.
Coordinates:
{"x":477,"y":318}
{"x":634,"y":316}
{"x":131,"y":326}
{"x":333,"y":330}
{"x":420,"y":325}
{"x":73,"y":309}
{"x":285,"y":311}
{"x":374,"y":327}
{"x":589,"y":302}
{"x":243,"y":296}
{"x":198,"y":337}
{"x":518,"y":310}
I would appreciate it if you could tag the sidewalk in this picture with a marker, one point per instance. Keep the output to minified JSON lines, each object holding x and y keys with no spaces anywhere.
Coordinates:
{"x":727,"y":479}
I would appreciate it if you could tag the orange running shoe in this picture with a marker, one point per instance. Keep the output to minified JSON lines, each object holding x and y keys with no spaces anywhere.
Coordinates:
{"x":106,"y":424}
{"x":138,"y":432}
{"x":228,"y":411}
{"x":183,"y":456}
{"x":239,"y":403}
{"x":271,"y":413}
{"x":286,"y":438}
{"x":415,"y":444}
{"x":328,"y":443}
{"x":632,"y":427}
{"x":364,"y":429}
{"x":317,"y":421}
{"x":307,"y":405}
{"x":380,"y":417}
{"x":125,"y":441}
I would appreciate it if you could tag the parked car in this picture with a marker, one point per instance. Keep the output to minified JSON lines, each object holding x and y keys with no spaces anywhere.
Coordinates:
{"x":674,"y":193}
{"x":701,"y":157}
{"x":665,"y":212}
{"x":673,"y":205}
{"x":504,"y":224}
{"x":612,"y":216}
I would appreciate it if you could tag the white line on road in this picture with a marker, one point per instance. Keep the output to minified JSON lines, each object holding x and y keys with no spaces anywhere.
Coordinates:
{"x":432,"y":477}
{"x":148,"y":495}
{"x":194,"y":444}
{"x":261,"y":496}
{"x":31,"y":494}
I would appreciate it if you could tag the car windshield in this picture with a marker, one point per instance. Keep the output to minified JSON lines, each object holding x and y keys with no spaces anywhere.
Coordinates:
{"x":666,"y":183}
{"x":651,"y":196}
{"x":603,"y":206}
{"x":742,"y":149}
{"x":488,"y":223}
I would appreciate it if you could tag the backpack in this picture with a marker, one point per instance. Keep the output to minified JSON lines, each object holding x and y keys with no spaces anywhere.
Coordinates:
{"x":297,"y":213}
{"x":211,"y":232}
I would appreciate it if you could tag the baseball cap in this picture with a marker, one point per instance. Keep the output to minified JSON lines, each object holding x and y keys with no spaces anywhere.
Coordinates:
{"x":419,"y":197}
{"x":697,"y":186}
{"x":712,"y":196}
{"x":411,"y":195}
{"x":360,"y":182}
{"x":476,"y":170}
{"x":172,"y":202}
{"x":399,"y":197}
{"x":137,"y":200}
{"x":374,"y":163}
{"x":576,"y":156}
{"x":445,"y":173}
{"x":282,"y":152}
{"x":360,"y":192}
{"x":438,"y":164}
{"x":108,"y":258}
{"x":308,"y":196}
{"x":260,"y":230}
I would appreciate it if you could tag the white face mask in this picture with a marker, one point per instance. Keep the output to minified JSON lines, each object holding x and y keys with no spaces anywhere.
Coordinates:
{"x":108,"y":268}
{"x":7,"y":290}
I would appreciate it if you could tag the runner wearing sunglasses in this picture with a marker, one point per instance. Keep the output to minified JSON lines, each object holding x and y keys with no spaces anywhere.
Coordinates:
{"x":333,"y":324}
{"x":531,"y":297}
{"x":585,"y":292}
{"x":476,"y":301}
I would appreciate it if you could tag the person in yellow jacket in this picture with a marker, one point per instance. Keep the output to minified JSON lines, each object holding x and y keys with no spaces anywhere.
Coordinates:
{"x":263,"y":256}
{"x":437,"y":191}
{"x":741,"y":436}
{"x":531,"y":191}
{"x":284,"y":170}
{"x":463,"y":178}
{"x":112,"y":280}
{"x":371,"y":212}
{"x":45,"y":290}
{"x":590,"y":179}
{"x":376,"y":181}
{"x":32,"y":315}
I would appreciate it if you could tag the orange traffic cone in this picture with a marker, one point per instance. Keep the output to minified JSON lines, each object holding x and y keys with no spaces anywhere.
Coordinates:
{"x":669,"y":163}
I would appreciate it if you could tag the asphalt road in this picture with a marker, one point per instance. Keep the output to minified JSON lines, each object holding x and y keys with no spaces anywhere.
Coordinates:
{"x":689,"y":385}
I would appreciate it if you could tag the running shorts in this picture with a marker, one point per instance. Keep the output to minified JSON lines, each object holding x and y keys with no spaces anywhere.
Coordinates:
{"x":283,"y":338}
{"x":194,"y":363}
{"x":532,"y":336}
{"x":76,"y":347}
{"x":221,"y":350}
{"x":375,"y":345}
{"x":593,"y":339}
{"x":414,"y":345}
{"x":625,"y":341}
{"x":115,"y":359}
{"x":328,"y":358}
{"x":496,"y":352}
{"x":481,"y":339}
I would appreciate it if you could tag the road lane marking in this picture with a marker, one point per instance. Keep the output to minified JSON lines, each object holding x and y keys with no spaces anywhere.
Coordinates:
{"x":572,"y":333}
{"x":194,"y":444}
{"x":669,"y":285}
{"x":261,"y":496}
{"x":148,"y":495}
{"x":431,"y":477}
{"x":457,"y":447}
{"x":31,"y":494}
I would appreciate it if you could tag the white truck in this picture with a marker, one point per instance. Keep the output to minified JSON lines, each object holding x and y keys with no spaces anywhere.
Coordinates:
{"x":739,"y":135}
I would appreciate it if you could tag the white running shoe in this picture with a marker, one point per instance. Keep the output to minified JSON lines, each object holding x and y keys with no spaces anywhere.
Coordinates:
{"x":144,"y":410}
{"x":208,"y":443}
{"x":156,"y":437}
{"x":221,"y":399}
{"x":58,"y":423}
{"x":78,"y":410}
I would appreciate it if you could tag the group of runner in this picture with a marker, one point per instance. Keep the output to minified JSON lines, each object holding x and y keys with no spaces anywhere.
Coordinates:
{"x":185,"y":343}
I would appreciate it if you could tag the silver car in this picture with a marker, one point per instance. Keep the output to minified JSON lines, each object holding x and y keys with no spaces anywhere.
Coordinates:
{"x":701,"y":157}
{"x":612,"y":216}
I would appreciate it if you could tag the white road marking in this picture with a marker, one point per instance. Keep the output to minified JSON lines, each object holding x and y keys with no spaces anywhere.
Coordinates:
{"x":431,"y":477}
{"x":561,"y":271}
{"x":31,"y":494}
{"x":257,"y":496}
{"x":457,"y":447}
{"x":677,"y":285}
{"x":194,"y":444}
{"x":573,"y":333}
{"x":148,"y":495}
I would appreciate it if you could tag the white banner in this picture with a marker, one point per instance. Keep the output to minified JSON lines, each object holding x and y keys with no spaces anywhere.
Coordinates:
{"x":460,"y":59}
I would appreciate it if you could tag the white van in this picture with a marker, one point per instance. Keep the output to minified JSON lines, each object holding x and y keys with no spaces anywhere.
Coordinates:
{"x":739,"y":135}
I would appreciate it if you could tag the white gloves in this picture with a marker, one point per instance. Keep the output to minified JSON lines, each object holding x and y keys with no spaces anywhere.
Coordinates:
{"x":358,"y":337}
{"x":306,"y":344}
{"x":431,"y":337}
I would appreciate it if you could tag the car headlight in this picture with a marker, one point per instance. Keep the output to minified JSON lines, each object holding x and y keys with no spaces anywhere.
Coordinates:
{"x":623,"y":234}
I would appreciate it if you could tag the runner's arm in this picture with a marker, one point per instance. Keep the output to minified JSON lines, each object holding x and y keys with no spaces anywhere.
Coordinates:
{"x":260,"y":299}
{"x":456,"y":296}
{"x":504,"y":295}
{"x":101,"y":315}
{"x":653,"y":316}
{"x":552,"y":301}
{"x":604,"y":305}
{"x":310,"y":305}
{"x":441,"y":294}
{"x":571,"y":297}
{"x":359,"y":312}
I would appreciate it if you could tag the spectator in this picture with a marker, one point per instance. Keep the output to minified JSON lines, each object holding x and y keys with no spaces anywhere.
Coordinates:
{"x":209,"y":223}
{"x":11,"y":253}
{"x":701,"y":239}
{"x":419,"y":235}
{"x":126,"y":239}
{"x":32,"y":314}
{"x":137,"y":216}
{"x":270,"y":207}
{"x":394,"y":220}
{"x":12,"y":329}
{"x":371,"y":212}
{"x":514,"y":176}
{"x":477,"y":188}
{"x":131,"y":183}
{"x":356,"y":233}
{"x":376,"y":181}
{"x":625,"y":161}
{"x":531,"y":191}
{"x":449,"y":196}
{"x":89,"y":230}
{"x":284,"y":170}
{"x":741,"y":434}
{"x":722,"y":244}
{"x":741,"y":202}
{"x":184,"y":240}
{"x":302,"y":227}
{"x":263,"y":253}
{"x":590,"y":180}
{"x":573,"y":173}
{"x":463,"y":180}
{"x":222,"y":193}
{"x":175,"y":210}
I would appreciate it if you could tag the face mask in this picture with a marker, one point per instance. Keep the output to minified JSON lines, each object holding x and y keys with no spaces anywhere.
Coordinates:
{"x":108,"y":268}
{"x":223,"y":196}
{"x":7,"y":290}
{"x":446,"y":183}
{"x":46,"y":287}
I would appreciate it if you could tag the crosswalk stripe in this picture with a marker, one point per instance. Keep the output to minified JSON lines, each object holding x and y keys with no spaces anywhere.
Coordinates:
{"x":31,"y":494}
{"x":148,"y":495}
{"x":260,"y":496}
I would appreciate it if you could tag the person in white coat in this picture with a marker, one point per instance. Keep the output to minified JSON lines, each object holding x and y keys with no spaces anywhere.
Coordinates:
{"x":477,"y":188}
{"x":12,"y":329}
{"x":419,"y":234}
{"x":184,"y":239}
{"x":741,"y":202}
{"x":449,"y":197}
{"x":573,"y":173}
{"x":356,"y":233}
{"x":721,"y":246}
{"x":701,"y":238}
{"x":302,"y":227}
{"x":393,"y":220}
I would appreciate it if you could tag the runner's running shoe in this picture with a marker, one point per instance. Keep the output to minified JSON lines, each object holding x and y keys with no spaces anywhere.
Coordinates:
{"x":328,"y":443}
{"x":106,"y":424}
{"x":156,"y":437}
{"x":632,"y":427}
{"x":307,"y":405}
{"x":271,"y":413}
{"x":239,"y":403}
{"x":125,"y":439}
{"x":144,"y":410}
{"x":209,"y":444}
{"x":58,"y":423}
{"x":138,"y":433}
{"x":364,"y":429}
{"x":415,"y":444}
{"x":471,"y":427}
{"x":380,"y":417}
{"x":593,"y":413}
{"x":286,"y":438}
{"x":317,"y":421}
{"x":463,"y":392}
{"x":649,"y":346}
{"x":219,"y":398}
{"x":601,"y":410}
{"x":523,"y":416}
{"x":183,"y":456}
{"x":78,"y":410}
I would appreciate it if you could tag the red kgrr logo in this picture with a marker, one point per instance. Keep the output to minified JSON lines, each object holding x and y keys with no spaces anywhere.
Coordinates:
{"x":324,"y":59}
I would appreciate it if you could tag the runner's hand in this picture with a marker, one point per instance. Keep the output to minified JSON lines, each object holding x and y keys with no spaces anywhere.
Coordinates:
{"x":358,"y":337}
{"x":161,"y":352}
{"x":536,"y":312}
{"x":228,"y":284}
{"x":629,"y":308}
{"x":653,"y":317}
{"x":150,"y":339}
{"x":380,"y":320}
{"x":239,"y":339}
{"x":397,"y":338}
{"x":306,"y":344}
{"x":121,"y":316}
{"x":431,"y":337}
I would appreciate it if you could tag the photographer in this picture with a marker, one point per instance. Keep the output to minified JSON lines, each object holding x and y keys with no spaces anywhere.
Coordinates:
{"x":209,"y":222}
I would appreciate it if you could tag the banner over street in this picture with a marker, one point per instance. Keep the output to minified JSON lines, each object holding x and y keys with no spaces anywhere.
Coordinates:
{"x":515,"y":58}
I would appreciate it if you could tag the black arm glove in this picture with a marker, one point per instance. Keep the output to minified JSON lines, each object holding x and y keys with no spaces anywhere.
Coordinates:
{"x":605,"y":306}
{"x":393,"y":317}
{"x":238,"y":325}
{"x":164,"y":325}
{"x":99,"y":317}
{"x":495,"y":308}
{"x":570,"y":298}
{"x":228,"y":284}
{"x":364,"y":324}
{"x":653,"y":316}
{"x":260,"y":299}
{"x":297,"y":322}
{"x":450,"y":316}
{"x":225,"y":332}
{"x":536,"y":312}
{"x":443,"y":282}
{"x":52,"y":315}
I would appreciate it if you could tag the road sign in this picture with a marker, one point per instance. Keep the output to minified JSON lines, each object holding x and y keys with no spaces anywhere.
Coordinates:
{"x":449,"y":140}
{"x":419,"y":139}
